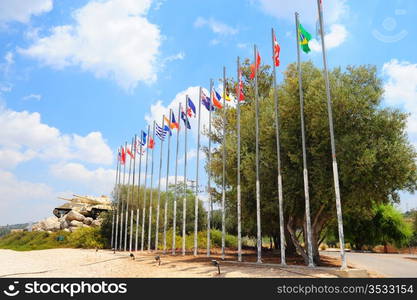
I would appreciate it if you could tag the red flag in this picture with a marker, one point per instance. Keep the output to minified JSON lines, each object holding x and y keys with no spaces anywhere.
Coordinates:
{"x":277,"y":50}
{"x":151,"y":143}
{"x":130,"y":153}
{"x":255,"y":67}
{"x":123,"y":158}
{"x":239,"y":88}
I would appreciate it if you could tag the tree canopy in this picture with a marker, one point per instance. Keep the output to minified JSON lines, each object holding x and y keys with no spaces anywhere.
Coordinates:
{"x":376,"y":160}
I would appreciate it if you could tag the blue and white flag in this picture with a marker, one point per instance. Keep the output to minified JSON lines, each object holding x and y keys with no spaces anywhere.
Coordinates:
{"x":160,"y":132}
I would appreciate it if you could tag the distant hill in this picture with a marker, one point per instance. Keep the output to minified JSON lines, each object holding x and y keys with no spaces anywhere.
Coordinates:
{"x":6,"y":229}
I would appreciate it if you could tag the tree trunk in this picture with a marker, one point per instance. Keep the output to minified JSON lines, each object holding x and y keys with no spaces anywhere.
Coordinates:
{"x":297,"y":245}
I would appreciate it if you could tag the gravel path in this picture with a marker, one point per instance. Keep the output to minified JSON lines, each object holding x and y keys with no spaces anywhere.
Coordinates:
{"x":89,"y":263}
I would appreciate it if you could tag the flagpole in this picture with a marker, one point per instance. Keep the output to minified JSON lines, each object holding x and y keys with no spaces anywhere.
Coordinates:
{"x":196,"y":178}
{"x":128,"y":196}
{"x":280,"y":197}
{"x":332,"y":141}
{"x":258,"y":192}
{"x":305,"y":172}
{"x":118,"y":201}
{"x":209,"y":175}
{"x":184,"y":201}
{"x":132,"y":194}
{"x":239,"y":225}
{"x":139,"y":184}
{"x":174,"y":222}
{"x":144,"y":194}
{"x":150,"y":199}
{"x":224,"y":165}
{"x":115,"y":197}
{"x":167,"y":186}
{"x":121,"y":211}
{"x":159,"y":189}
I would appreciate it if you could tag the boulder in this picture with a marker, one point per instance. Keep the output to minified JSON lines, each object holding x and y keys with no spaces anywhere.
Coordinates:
{"x":75,"y":223}
{"x":88,"y":221}
{"x":96,"y":223}
{"x":48,"y":224}
{"x":73,"y":215}
{"x":67,"y":230}
{"x":63,"y":223}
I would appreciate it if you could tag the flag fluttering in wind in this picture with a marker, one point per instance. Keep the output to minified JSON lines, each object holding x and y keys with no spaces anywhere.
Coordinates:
{"x":123,"y":156}
{"x":277,"y":50}
{"x":168,"y":129}
{"x":143,"y":138}
{"x":151,"y":144}
{"x":239,"y":88}
{"x":206,"y":101}
{"x":305,"y":38}
{"x":191,"y":111}
{"x":185,"y":119}
{"x":216,"y":99}
{"x":130,"y":153}
{"x":160,"y":132}
{"x":226,"y":93}
{"x":255,"y":66}
{"x":119,"y":156}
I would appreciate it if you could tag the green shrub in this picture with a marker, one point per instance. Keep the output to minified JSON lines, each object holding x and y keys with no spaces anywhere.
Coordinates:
{"x":87,"y":237}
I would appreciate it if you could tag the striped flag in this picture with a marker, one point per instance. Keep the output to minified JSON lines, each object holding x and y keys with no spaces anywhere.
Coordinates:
{"x":161,"y":132}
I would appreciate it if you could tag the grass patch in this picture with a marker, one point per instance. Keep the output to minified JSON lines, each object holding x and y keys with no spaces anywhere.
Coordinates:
{"x":39,"y":240}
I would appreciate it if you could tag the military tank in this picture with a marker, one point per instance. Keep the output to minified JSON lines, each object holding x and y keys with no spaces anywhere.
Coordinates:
{"x":88,"y":206}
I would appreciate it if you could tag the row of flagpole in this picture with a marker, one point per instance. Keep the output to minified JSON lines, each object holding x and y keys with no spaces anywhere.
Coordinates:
{"x":303,"y":37}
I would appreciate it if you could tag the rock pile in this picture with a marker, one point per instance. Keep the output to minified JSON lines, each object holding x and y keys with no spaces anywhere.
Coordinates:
{"x":69,"y":222}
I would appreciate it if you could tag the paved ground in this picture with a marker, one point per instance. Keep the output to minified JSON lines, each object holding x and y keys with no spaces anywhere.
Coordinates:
{"x":388,"y":265}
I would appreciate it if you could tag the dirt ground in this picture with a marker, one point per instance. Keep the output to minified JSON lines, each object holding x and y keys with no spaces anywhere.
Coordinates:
{"x":104,"y":263}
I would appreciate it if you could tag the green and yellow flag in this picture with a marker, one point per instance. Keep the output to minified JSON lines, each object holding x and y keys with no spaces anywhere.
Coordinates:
{"x":305,"y":37}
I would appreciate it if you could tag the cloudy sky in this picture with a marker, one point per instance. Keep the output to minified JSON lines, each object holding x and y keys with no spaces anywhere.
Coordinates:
{"x":79,"y":77}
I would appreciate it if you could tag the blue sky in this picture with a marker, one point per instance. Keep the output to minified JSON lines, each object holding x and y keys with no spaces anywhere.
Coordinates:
{"x":78,"y":78}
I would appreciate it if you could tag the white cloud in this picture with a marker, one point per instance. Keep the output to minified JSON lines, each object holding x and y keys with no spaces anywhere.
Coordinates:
{"x":22,"y":10}
{"x":112,"y":39}
{"x":35,"y":97}
{"x":8,"y":62}
{"x":24,"y":134}
{"x":99,"y":181}
{"x":24,"y":201}
{"x":333,"y":39}
{"x":334,"y":10}
{"x":216,"y":26}
{"x":401,"y":90}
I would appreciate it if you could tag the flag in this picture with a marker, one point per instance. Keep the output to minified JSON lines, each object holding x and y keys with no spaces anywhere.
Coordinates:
{"x":226,"y":93}
{"x":239,"y":88}
{"x":151,"y":144}
{"x":167,"y":129}
{"x":130,"y":153}
{"x":305,"y":38}
{"x":191,"y":111}
{"x":216,"y":99}
{"x":277,"y":50}
{"x":174,"y":123}
{"x":206,"y":102}
{"x":119,"y":156}
{"x":143,"y":138}
{"x":123,"y":156}
{"x":255,"y":66}
{"x":160,"y":132}
{"x":185,"y":119}
{"x":167,"y":120}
